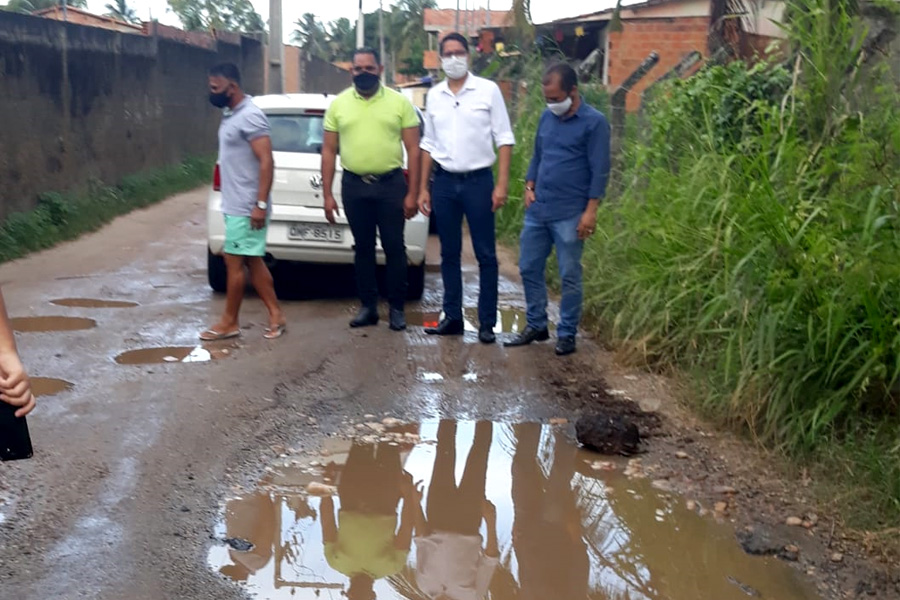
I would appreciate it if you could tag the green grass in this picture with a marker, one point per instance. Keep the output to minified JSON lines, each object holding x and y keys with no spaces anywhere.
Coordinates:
{"x":755,"y":250}
{"x":60,"y":217}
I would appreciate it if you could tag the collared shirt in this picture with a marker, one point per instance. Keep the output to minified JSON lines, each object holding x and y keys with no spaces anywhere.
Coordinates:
{"x":238,"y":165}
{"x":457,"y":125}
{"x":370,"y":130}
{"x":570,"y":165}
{"x":452,"y":565}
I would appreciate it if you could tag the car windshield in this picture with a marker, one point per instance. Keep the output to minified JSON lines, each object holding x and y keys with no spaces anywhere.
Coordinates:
{"x":297,"y":133}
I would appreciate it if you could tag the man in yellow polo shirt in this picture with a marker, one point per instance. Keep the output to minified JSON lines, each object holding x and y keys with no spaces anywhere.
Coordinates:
{"x":372,"y":124}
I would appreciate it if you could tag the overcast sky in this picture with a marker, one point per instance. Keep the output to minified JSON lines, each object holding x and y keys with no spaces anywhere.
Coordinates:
{"x":542,"y":10}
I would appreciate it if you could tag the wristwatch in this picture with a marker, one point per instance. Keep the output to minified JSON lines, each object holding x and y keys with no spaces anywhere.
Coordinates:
{"x":262,"y":205}
{"x":529,"y":188}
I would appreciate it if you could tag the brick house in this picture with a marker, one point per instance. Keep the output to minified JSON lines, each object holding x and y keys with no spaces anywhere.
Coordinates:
{"x":481,"y":27}
{"x":671,"y":28}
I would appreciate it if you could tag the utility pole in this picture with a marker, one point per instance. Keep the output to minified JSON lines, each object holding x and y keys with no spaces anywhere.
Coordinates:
{"x":276,"y":48}
{"x":360,"y":28}
{"x":381,"y":38}
{"x":488,"y":15}
{"x":457,"y":16}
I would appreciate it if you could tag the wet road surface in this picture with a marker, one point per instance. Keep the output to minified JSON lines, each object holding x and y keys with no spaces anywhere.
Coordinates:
{"x":149,"y":439}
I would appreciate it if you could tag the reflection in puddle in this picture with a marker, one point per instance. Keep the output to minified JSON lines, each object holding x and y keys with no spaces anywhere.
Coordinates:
{"x":503,"y":511}
{"x":184,"y":354}
{"x":43,"y":324}
{"x":93,"y":303}
{"x":509,"y":320}
{"x":43,"y":386}
{"x":431,"y":377}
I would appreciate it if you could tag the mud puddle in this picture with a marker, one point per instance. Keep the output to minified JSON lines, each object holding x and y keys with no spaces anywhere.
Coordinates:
{"x":93,"y":303}
{"x":475,"y":510}
{"x":44,"y":386}
{"x":47,"y":324}
{"x":509,"y":320}
{"x":173,"y":354}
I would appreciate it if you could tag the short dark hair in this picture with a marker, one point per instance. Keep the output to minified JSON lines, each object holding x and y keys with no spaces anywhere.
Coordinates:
{"x":454,"y":36}
{"x":227,"y":70}
{"x":568,"y":79}
{"x":367,"y":50}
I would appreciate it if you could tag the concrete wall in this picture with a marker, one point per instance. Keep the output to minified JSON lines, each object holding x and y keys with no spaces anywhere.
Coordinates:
{"x":320,"y":76}
{"x":80,"y":103}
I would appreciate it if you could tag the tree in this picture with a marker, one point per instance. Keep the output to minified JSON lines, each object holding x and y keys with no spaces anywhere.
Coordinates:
{"x":311,"y":36}
{"x":120,"y":10}
{"x":342,"y":38}
{"x":228,"y":15}
{"x":30,"y":6}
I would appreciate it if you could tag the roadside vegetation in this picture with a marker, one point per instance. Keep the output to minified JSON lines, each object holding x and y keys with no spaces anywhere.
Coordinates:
{"x":754,"y":250}
{"x":61,"y":217}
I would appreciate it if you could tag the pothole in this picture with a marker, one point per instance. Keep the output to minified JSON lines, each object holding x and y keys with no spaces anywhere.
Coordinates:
{"x":46,"y":324}
{"x":456,"y":510}
{"x":45,"y":386}
{"x":172,"y":354}
{"x":93,"y":303}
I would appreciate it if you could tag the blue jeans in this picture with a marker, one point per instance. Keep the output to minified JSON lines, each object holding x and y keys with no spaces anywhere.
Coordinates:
{"x":453,"y":197}
{"x":537,"y":240}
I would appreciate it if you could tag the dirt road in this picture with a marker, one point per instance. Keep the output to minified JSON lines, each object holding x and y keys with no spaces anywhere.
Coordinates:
{"x":134,"y":462}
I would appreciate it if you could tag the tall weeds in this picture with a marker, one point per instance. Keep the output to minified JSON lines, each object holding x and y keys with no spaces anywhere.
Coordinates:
{"x":756,"y":249}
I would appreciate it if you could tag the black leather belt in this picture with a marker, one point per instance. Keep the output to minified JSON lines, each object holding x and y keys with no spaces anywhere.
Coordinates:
{"x":463,"y":175}
{"x":373,"y":178}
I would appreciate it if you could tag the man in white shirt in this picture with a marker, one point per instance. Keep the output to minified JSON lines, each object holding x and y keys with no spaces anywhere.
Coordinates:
{"x":460,"y":111}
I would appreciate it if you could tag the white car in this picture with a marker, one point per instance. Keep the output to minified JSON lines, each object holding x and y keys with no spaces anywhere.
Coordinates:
{"x":298,"y":230}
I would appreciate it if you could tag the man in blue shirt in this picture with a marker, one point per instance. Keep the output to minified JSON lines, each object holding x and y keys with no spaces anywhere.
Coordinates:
{"x":565,"y":182}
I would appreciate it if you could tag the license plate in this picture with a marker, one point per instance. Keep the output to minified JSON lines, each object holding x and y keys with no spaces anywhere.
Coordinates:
{"x":315,"y":232}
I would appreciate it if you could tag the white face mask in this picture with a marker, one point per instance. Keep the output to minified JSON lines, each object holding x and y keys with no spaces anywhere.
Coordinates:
{"x":456,"y":67}
{"x":560,"y":108}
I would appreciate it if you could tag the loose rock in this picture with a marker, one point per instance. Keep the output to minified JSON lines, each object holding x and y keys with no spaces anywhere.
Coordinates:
{"x":837,"y":557}
{"x":681,"y":454}
{"x":607,"y":433}
{"x":239,"y":544}
{"x":320,"y":489}
{"x":793,"y":522}
{"x":721,"y":507}
{"x":558,"y":421}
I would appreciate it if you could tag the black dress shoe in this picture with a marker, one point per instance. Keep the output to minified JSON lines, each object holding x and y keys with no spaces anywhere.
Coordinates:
{"x":365,"y":317}
{"x":398,"y":319}
{"x":447,"y":327}
{"x":565,"y":345}
{"x":529,"y":335}
{"x":486,"y":336}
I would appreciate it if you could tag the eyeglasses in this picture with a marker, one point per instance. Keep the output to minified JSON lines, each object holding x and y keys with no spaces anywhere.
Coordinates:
{"x":455,"y":53}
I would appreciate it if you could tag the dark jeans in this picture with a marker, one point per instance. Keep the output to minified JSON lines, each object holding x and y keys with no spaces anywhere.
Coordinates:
{"x":452,"y":198}
{"x":370,"y":206}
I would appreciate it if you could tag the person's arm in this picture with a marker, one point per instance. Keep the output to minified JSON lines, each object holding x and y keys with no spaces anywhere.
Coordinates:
{"x":534,"y":166}
{"x":262,"y":149}
{"x":412,"y":503}
{"x":329,"y":524}
{"x":15,"y":386}
{"x":489,"y":512}
{"x":504,"y":139}
{"x":329,"y":163}
{"x":411,"y":141}
{"x":427,"y":147}
{"x":599,"y":159}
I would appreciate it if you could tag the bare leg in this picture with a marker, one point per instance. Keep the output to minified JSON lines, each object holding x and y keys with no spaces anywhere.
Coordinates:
{"x":234,"y":295}
{"x":262,"y":280}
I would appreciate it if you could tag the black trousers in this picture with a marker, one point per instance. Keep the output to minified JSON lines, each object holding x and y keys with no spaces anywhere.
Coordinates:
{"x":371,"y":206}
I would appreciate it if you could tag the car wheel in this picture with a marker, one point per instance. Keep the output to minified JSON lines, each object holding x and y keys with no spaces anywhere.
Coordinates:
{"x":215,"y":270}
{"x":415,"y":277}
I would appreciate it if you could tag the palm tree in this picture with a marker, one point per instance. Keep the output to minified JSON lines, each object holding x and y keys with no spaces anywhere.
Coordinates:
{"x":342,"y":38}
{"x":120,"y":10}
{"x":311,"y":36}
{"x":30,"y":6}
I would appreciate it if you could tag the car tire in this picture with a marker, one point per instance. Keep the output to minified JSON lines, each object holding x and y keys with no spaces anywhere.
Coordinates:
{"x":215,"y":270}
{"x":415,"y":281}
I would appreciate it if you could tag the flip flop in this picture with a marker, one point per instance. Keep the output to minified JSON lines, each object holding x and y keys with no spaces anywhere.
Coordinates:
{"x":272,"y":334}
{"x":211,"y":335}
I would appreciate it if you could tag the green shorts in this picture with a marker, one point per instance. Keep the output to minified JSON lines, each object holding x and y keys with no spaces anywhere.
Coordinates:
{"x":241,"y":239}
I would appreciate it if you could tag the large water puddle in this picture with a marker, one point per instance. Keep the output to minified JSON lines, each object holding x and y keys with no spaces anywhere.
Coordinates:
{"x":470,"y":511}
{"x":93,"y":303}
{"x":45,"y":324}
{"x":509,"y":320}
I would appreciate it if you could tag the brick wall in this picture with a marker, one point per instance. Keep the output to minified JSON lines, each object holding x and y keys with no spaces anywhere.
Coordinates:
{"x":671,"y":38}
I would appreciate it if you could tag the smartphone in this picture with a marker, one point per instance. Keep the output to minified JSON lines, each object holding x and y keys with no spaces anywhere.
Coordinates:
{"x":15,"y":443}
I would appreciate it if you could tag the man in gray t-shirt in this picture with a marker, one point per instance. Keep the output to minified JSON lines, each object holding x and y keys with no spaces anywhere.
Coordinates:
{"x":247,"y":170}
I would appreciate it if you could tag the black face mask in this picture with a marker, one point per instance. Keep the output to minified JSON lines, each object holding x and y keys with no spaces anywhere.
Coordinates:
{"x":219,"y":100}
{"x":365,"y":82}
